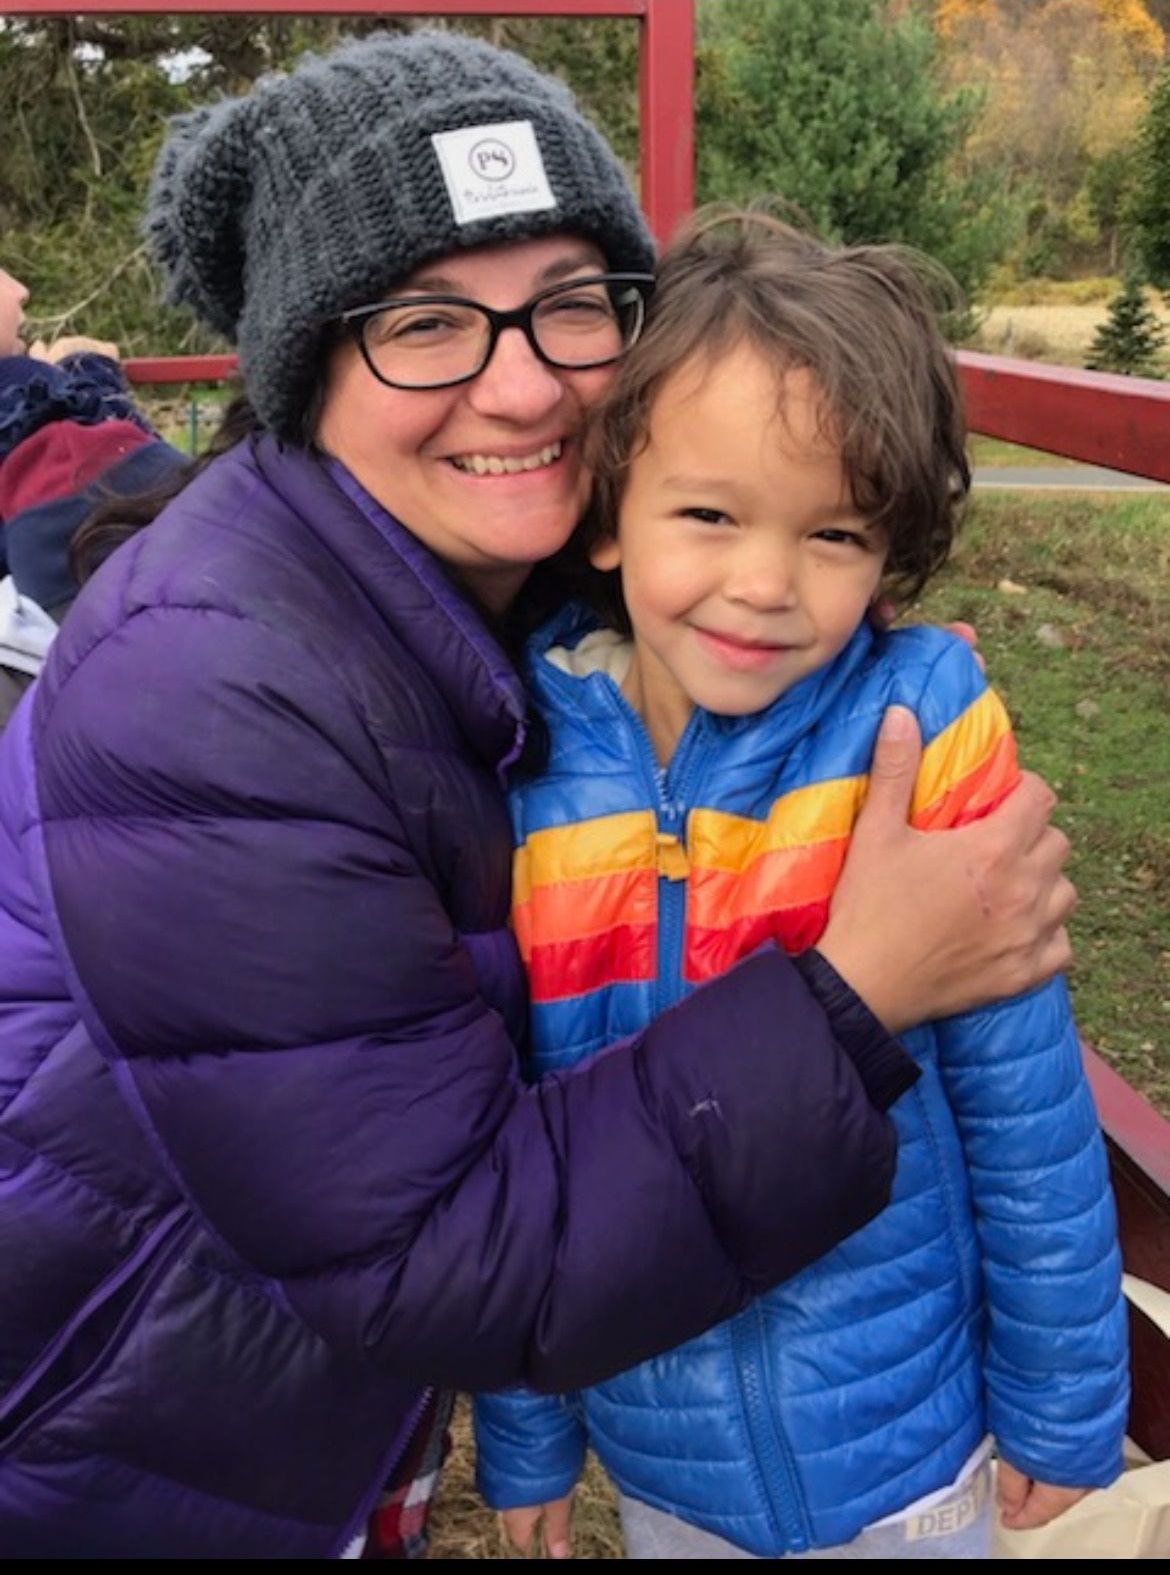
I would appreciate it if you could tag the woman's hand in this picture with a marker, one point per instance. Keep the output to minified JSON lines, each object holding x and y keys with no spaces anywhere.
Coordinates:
{"x":1025,"y":1503}
{"x":925,"y":924}
{"x":72,"y":344}
{"x":553,"y":1519}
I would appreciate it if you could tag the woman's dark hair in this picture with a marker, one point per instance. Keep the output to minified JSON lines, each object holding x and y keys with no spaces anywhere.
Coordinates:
{"x":115,"y":519}
{"x":863,"y":320}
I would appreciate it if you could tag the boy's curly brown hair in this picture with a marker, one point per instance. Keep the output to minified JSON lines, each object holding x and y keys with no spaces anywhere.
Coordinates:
{"x":864,"y":320}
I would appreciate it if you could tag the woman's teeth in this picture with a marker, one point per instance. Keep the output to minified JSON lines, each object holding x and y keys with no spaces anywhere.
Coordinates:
{"x":498,"y":465}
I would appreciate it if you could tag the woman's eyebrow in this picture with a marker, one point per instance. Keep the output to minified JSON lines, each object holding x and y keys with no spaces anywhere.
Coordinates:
{"x":562,"y":268}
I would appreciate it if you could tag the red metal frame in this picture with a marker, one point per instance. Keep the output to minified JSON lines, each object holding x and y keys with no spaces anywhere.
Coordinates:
{"x":666,"y":74}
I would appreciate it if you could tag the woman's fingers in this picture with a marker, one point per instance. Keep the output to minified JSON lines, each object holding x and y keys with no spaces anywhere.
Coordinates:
{"x":924,"y":925}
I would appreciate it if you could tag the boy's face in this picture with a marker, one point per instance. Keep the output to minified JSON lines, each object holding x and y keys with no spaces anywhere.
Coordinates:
{"x":13,"y":296}
{"x":745,"y":565}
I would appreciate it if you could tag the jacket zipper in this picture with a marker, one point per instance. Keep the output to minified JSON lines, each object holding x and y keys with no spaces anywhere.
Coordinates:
{"x":359,"y":1521}
{"x":784,"y":1502}
{"x":671,"y":788}
{"x":777,"y":1467}
{"x":671,"y":816}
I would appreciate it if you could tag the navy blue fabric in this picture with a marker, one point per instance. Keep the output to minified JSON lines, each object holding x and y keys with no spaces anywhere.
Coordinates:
{"x":86,"y":388}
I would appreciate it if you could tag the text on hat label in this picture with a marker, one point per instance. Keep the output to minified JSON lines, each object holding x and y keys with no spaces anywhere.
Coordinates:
{"x":492,"y":170}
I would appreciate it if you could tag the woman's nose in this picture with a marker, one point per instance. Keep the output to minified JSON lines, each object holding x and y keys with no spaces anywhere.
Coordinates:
{"x":516,"y":385}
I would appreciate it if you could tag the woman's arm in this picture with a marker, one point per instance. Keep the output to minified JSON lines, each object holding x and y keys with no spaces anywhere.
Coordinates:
{"x":924,"y":925}
{"x":286,"y":1006}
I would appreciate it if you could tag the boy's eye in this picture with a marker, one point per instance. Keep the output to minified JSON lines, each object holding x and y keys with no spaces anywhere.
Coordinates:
{"x":837,"y":534}
{"x":704,"y":516}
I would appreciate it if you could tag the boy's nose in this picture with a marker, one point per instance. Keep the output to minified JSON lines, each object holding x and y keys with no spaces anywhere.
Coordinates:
{"x":763,"y":579}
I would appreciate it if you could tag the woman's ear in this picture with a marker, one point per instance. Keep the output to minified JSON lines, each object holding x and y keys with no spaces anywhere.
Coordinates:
{"x":605,"y":554}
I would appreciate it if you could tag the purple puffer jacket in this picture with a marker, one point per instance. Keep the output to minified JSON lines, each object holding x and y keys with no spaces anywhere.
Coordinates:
{"x":266,"y":1164}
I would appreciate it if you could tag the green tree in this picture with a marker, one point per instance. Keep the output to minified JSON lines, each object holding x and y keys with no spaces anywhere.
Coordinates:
{"x":1109,"y":187}
{"x":1149,"y":212}
{"x":838,"y":107}
{"x":1131,"y":337}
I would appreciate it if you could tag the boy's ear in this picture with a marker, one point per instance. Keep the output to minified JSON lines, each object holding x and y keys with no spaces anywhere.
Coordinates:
{"x":605,"y":554}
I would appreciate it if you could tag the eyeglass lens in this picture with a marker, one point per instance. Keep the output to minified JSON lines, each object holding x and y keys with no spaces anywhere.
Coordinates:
{"x":427,"y":343}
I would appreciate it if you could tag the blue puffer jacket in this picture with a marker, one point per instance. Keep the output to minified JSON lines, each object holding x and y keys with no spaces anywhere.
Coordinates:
{"x":987,"y":1296}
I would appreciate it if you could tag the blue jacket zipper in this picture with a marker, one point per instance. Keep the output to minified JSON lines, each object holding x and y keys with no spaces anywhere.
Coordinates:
{"x":786,"y":1507}
{"x":673,"y":788}
{"x":666,"y":786}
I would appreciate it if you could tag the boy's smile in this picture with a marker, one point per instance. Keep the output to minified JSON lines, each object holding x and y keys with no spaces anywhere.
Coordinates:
{"x":745,"y":563}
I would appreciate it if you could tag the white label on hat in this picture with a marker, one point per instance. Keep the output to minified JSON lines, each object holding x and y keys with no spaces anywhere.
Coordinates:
{"x":491,"y":170}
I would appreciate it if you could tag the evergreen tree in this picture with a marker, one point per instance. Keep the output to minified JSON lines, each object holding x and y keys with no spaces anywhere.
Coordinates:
{"x":838,"y":107}
{"x":1131,"y":337}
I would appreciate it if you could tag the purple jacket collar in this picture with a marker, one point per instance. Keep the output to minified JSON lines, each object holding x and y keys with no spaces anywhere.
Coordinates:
{"x":412,"y":593}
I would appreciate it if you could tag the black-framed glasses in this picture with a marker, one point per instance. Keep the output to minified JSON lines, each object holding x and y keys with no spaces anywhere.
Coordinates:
{"x":437,"y":341}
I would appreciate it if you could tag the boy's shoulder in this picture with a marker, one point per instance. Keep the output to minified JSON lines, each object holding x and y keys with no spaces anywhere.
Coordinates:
{"x":918,"y":647}
{"x":932,"y":672}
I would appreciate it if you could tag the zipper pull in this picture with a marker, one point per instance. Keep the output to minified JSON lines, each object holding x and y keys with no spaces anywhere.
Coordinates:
{"x":673,"y":863}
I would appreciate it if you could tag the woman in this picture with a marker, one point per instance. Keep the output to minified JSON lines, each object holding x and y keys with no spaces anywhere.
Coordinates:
{"x":273,"y":1170}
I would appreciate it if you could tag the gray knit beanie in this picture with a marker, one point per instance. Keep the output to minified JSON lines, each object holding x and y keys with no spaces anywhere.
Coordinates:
{"x":320,"y":190}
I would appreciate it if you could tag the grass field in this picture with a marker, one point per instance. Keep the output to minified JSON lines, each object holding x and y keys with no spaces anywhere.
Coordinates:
{"x":994,"y":452}
{"x":1054,"y":331}
{"x":1082,"y":656}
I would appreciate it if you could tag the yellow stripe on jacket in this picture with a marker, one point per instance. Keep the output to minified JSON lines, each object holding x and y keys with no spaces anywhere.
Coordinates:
{"x":586,"y":895}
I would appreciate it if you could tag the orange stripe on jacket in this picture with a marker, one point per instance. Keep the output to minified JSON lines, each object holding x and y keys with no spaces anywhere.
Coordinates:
{"x":753,"y":881}
{"x":967,"y":769}
{"x":577,"y":910}
{"x":582,"y":896}
{"x":790,"y":878}
{"x":712,"y":952}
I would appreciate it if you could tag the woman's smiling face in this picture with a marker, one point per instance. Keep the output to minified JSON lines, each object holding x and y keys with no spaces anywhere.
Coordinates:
{"x":489,"y":473}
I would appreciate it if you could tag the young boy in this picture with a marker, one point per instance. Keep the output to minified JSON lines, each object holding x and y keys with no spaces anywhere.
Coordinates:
{"x":785,"y":443}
